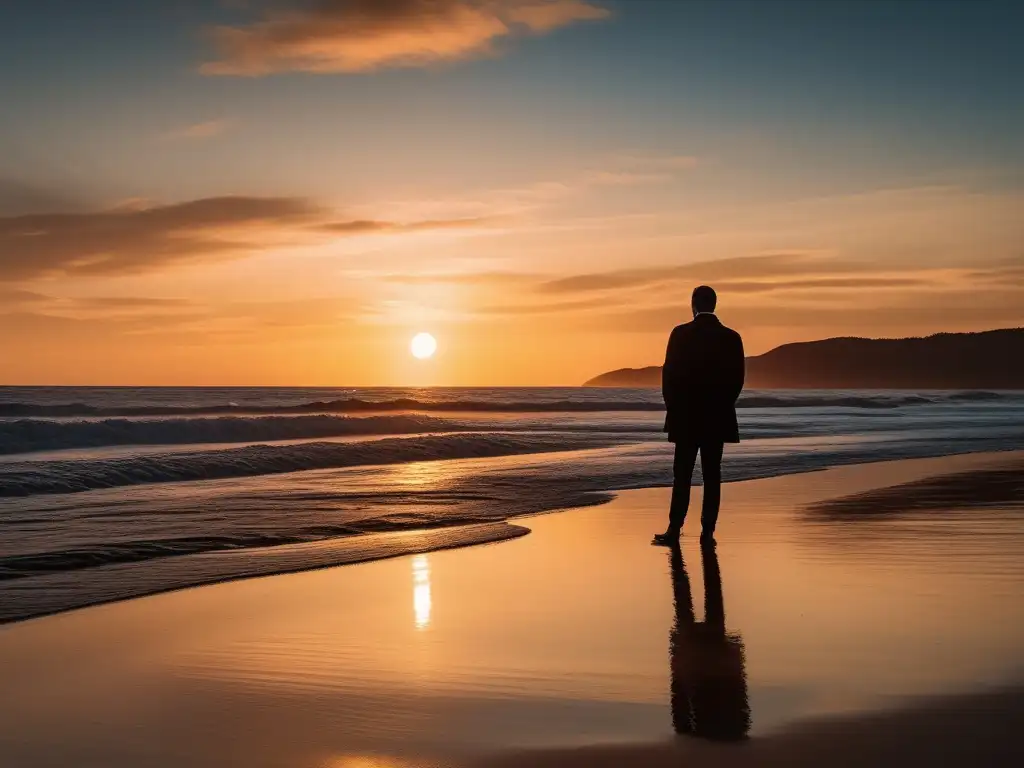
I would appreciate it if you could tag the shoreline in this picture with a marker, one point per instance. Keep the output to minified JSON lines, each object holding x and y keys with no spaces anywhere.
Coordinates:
{"x":295,"y":558}
{"x":163,"y":575}
{"x":558,"y":648}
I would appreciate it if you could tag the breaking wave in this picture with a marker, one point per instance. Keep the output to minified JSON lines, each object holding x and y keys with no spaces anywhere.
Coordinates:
{"x":47,"y":477}
{"x":754,"y":399}
{"x":32,"y":564}
{"x":28,"y":435}
{"x":25,"y":435}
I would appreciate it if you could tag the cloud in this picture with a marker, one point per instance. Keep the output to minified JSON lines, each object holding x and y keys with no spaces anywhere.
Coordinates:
{"x":365,"y":35}
{"x":515,"y":201}
{"x":611,"y":302}
{"x":657,"y":162}
{"x":544,"y":308}
{"x":129,"y":303}
{"x":601,"y":281}
{"x":822,"y":284}
{"x":780,"y":297}
{"x":468,"y":279}
{"x":19,"y":297}
{"x":90,"y":328}
{"x":769,"y":268}
{"x":66,"y":307}
{"x":541,"y":17}
{"x":531,"y":206}
{"x":198,"y":131}
{"x":1007,"y":274}
{"x":620,"y":171}
{"x":143,"y":237}
{"x":907,"y":314}
{"x":744,"y":275}
{"x":310,"y":312}
{"x":179,"y":322}
{"x":134,"y":239}
{"x":622,"y":179}
{"x":370,"y":226}
{"x":771,"y":273}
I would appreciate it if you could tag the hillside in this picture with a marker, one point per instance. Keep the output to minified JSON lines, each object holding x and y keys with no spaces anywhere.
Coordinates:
{"x":985,"y":360}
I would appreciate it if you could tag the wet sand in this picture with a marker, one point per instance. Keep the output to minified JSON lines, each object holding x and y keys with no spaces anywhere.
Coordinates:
{"x":841,"y":620}
{"x":968,"y":730}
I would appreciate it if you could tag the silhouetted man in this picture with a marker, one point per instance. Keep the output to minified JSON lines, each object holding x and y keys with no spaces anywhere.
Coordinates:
{"x":701,"y":381}
{"x":706,"y":663}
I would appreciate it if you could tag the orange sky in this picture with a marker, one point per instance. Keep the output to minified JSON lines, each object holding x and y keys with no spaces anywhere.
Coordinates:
{"x":285,"y":202}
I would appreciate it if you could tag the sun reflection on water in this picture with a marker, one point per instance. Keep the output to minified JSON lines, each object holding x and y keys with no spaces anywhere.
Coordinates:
{"x":421,"y":601}
{"x":360,"y":761}
{"x":420,"y":474}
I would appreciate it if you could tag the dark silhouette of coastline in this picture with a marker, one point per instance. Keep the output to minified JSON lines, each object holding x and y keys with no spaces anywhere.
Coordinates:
{"x":708,"y":672}
{"x":986,"y":360}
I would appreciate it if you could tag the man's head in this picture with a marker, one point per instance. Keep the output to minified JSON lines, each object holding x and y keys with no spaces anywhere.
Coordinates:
{"x":704,"y":299}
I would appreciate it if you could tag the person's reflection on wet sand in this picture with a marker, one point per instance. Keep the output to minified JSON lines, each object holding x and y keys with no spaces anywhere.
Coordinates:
{"x":709,"y":683}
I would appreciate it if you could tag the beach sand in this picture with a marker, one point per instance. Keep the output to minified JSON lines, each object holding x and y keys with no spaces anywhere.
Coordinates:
{"x":873,"y":614}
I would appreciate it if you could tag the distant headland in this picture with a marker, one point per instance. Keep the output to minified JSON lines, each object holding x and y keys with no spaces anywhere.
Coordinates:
{"x":985,"y":360}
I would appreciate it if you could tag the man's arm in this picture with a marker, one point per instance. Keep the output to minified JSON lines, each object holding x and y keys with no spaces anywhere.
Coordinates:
{"x":670,"y":371}
{"x":737,"y":369}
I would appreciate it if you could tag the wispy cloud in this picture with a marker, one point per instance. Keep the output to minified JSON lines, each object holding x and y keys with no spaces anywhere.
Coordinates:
{"x":820,"y":284}
{"x":198,"y":131}
{"x":371,"y":226}
{"x":365,"y":35}
{"x":17,"y":298}
{"x":763,"y":293}
{"x":906,"y":313}
{"x":769,"y":273}
{"x":143,"y":237}
{"x":770,"y":267}
{"x":135,"y":239}
{"x":617,"y":171}
{"x":468,"y":279}
{"x":656,"y":162}
{"x":783,"y":297}
{"x":545,"y":308}
{"x":129,"y":303}
{"x":1006,"y":273}
{"x":511,"y":204}
{"x":179,"y":320}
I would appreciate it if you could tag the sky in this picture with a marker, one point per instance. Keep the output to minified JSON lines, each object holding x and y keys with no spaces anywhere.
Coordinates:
{"x":284,"y":192}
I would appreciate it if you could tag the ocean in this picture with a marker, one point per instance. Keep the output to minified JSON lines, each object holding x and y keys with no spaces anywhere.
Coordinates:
{"x":109,"y":493}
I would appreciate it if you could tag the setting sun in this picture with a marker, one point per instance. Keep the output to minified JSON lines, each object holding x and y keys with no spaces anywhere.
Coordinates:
{"x":423,"y":346}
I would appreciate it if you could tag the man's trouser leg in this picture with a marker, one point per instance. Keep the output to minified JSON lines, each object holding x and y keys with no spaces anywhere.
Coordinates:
{"x":711,"y":471}
{"x":682,"y":473}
